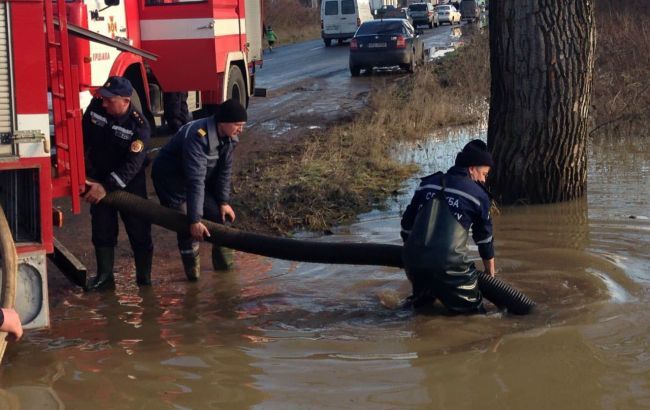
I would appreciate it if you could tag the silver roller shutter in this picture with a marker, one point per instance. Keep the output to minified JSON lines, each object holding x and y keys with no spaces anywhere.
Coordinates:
{"x":6,"y":102}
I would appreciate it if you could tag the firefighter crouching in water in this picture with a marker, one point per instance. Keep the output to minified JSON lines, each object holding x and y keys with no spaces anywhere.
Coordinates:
{"x":116,"y":138}
{"x":192,"y":173}
{"x":435,"y":228}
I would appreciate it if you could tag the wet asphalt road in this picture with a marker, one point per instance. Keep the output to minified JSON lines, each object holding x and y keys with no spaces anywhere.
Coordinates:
{"x":309,"y":84}
{"x":311,"y":59}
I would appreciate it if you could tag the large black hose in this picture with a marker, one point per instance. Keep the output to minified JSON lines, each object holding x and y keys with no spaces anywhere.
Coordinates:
{"x":493,"y":289}
{"x":503,"y":295}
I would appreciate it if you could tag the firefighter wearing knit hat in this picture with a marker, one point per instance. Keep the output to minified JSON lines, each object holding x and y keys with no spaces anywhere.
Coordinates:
{"x":193,"y":173}
{"x":435,"y":229}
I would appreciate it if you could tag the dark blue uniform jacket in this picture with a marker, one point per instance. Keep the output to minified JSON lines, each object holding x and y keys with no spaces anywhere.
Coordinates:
{"x":196,"y":162}
{"x":115,"y":148}
{"x":468,"y":201}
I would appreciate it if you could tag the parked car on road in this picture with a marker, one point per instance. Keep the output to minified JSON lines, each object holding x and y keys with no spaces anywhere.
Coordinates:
{"x":470,"y":11}
{"x":386,"y":43}
{"x":448,"y":14}
{"x":423,"y":13}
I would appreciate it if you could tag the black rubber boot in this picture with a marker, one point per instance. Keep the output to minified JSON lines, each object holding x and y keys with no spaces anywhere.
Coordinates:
{"x":143,"y":261}
{"x":104,"y":279}
{"x":192,"y":266}
{"x":222,"y":258}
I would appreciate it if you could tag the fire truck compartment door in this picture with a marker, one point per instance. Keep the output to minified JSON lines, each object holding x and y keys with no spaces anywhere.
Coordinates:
{"x":192,"y":40}
{"x":101,"y":39}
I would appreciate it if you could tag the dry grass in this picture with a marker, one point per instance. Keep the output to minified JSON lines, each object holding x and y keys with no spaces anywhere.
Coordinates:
{"x":621,"y":96}
{"x":292,"y":21}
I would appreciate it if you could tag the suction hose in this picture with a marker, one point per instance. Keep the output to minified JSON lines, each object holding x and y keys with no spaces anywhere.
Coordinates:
{"x":495,"y":290}
{"x":9,"y":271}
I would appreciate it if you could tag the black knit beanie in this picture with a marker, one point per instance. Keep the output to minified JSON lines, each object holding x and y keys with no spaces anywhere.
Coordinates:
{"x":231,"y":111}
{"x":474,"y":153}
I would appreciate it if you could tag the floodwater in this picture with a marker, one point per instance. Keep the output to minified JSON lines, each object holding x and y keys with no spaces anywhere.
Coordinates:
{"x":281,"y":335}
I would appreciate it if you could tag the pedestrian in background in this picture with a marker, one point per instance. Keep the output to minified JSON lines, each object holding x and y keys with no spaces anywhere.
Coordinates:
{"x":271,"y":37}
{"x":192,"y":173}
{"x":116,"y":138}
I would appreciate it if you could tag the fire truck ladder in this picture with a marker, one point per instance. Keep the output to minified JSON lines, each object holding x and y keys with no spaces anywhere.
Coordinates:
{"x":69,"y":169}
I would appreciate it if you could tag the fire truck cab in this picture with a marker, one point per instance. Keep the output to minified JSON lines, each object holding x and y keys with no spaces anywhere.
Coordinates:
{"x":211,"y":47}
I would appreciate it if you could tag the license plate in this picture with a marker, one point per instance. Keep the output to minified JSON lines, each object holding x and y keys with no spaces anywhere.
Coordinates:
{"x":376,"y":45}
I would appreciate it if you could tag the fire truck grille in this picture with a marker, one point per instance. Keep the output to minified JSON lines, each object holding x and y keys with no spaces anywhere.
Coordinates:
{"x":20,"y":200}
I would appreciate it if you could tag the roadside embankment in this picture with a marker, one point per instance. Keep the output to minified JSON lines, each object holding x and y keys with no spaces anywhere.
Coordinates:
{"x":621,"y":92}
{"x":326,"y":177}
{"x":291,"y":20}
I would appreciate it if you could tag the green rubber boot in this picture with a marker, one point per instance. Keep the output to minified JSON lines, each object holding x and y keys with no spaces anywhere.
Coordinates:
{"x":222,"y":258}
{"x":192,"y":266}
{"x":104,"y":279}
{"x":143,"y":261}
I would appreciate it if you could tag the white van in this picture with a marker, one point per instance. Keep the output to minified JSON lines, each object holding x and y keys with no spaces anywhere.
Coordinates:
{"x":339,"y":19}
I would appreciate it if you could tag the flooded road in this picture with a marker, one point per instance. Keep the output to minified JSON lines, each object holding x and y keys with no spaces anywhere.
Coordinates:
{"x":278,"y":334}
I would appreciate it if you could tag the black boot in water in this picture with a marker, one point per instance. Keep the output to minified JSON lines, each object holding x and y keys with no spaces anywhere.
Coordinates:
{"x":222,"y":258}
{"x":143,"y":261}
{"x":104,"y":279}
{"x":192,"y":266}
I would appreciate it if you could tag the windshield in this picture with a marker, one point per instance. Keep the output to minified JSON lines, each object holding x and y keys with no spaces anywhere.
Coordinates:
{"x":418,"y":7}
{"x":347,"y":7}
{"x":331,"y":8}
{"x":381,"y":28}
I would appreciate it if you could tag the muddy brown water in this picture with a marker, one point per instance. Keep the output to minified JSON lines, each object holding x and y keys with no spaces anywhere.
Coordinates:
{"x":278,"y":334}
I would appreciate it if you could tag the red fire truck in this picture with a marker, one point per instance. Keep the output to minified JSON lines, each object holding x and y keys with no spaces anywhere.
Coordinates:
{"x":53,"y":56}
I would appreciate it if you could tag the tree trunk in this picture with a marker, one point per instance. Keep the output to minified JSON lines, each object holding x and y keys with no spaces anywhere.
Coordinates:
{"x":541,"y":58}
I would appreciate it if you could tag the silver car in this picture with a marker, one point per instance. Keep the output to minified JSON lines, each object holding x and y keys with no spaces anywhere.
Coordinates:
{"x":448,"y":14}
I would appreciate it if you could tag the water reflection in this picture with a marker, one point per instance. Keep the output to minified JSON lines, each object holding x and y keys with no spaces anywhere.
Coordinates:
{"x":30,"y":397}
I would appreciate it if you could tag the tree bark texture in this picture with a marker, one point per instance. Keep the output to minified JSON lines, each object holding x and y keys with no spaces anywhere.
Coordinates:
{"x":541,"y":58}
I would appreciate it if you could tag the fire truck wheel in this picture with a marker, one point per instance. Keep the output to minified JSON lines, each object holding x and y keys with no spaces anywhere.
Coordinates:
{"x":237,"y":86}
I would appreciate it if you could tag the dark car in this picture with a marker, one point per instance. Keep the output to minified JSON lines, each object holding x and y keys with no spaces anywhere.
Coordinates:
{"x":386,"y":43}
{"x":469,"y":10}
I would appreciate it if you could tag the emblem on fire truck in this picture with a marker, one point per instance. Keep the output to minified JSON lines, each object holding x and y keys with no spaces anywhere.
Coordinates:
{"x":112,"y":26}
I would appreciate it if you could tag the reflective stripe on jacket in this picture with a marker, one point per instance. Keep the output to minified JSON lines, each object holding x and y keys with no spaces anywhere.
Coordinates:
{"x":468,"y":201}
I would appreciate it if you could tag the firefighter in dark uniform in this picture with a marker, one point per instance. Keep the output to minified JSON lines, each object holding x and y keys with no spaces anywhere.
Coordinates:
{"x":116,"y":138}
{"x":192,"y":173}
{"x":176,"y":112}
{"x":435,"y":229}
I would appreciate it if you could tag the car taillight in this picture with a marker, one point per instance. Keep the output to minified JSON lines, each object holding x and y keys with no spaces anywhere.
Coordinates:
{"x":353,"y":44}
{"x":400,"y":42}
{"x":358,"y":21}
